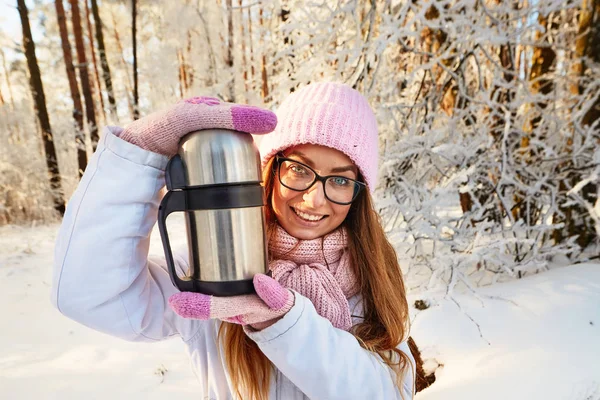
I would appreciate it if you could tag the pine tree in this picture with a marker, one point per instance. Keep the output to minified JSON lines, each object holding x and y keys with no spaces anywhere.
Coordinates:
{"x":73,"y":87}
{"x":104,"y":61}
{"x":37,"y":91}
{"x":90,"y":112}
{"x":136,"y":111}
{"x":93,"y":53}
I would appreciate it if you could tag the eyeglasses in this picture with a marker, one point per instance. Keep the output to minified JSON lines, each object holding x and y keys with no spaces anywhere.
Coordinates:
{"x":297,"y":176}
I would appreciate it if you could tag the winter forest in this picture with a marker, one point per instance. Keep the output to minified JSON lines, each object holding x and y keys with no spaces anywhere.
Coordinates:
{"x":488,"y":114}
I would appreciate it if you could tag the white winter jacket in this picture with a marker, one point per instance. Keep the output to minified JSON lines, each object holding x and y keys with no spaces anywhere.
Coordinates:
{"x":104,"y":280}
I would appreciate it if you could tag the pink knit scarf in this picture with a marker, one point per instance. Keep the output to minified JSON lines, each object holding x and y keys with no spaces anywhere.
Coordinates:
{"x":318,"y":269}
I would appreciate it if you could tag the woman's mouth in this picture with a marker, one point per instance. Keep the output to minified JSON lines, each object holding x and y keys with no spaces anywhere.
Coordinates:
{"x":306,"y":216}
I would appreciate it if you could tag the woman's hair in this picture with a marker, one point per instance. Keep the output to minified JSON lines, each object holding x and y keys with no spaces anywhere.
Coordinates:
{"x":385,"y":321}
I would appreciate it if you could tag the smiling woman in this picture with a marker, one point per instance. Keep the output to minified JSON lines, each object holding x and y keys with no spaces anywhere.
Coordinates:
{"x":326,"y":243}
{"x":329,"y":321}
{"x":308,"y":205}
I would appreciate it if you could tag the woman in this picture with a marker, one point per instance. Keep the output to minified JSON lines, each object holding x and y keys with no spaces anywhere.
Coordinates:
{"x":331,"y":322}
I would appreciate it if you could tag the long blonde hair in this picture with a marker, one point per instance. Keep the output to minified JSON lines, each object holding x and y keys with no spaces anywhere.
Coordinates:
{"x":385,"y":321}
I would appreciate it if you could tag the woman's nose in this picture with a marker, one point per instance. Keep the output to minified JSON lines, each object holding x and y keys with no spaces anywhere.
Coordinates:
{"x":315,"y":196}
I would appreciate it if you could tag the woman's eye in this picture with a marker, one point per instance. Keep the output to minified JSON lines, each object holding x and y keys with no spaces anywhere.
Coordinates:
{"x":298,"y":169}
{"x":339,"y":181}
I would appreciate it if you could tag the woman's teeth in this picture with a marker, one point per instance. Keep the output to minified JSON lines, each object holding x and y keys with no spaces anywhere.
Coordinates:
{"x":306,"y":216}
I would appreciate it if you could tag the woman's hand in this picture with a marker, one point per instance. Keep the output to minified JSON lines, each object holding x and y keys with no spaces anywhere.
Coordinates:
{"x":161,"y":131}
{"x":273,"y":302}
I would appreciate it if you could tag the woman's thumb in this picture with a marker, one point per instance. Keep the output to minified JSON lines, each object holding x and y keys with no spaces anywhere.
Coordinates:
{"x":272,"y":293}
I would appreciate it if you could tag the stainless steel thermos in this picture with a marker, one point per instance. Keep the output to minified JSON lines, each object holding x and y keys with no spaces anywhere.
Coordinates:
{"x":215,"y":179}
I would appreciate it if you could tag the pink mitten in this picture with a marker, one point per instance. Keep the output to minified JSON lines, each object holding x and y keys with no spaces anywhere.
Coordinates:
{"x":273,"y":301}
{"x":161,"y":131}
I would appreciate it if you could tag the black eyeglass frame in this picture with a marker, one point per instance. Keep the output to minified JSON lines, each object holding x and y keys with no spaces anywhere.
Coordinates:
{"x":360,"y":185}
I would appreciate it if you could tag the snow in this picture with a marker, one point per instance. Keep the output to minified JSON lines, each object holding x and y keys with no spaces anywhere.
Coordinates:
{"x":543,"y":333}
{"x":534,"y":338}
{"x":44,"y":355}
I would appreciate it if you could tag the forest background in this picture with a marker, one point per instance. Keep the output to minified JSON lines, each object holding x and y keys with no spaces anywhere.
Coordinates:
{"x":488,"y":110}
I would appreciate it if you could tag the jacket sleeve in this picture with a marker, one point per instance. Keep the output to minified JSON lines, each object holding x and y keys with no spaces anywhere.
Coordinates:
{"x":327,"y":363}
{"x":102,"y":276}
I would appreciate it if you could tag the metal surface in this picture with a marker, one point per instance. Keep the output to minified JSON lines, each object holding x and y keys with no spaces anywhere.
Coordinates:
{"x":226,"y":244}
{"x":216,"y":156}
{"x":229,"y":245}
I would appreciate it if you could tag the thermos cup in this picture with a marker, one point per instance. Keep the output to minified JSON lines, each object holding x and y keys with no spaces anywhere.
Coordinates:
{"x":215,"y":179}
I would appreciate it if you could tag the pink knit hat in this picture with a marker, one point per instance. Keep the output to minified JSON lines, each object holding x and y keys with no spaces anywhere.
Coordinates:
{"x":328,"y":114}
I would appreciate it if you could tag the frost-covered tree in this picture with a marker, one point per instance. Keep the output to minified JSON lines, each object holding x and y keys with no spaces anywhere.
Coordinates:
{"x":488,"y":110}
{"x":489,"y":169}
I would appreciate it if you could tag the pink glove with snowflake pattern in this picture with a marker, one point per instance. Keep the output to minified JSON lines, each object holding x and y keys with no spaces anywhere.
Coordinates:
{"x":160,"y":132}
{"x":273,"y":301}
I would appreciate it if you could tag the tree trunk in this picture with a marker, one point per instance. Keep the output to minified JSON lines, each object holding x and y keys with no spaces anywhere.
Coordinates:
{"x":244,"y":59}
{"x":128,"y":89}
{"x":263,"y":64}
{"x":189,"y":66}
{"x":90,"y":113}
{"x":73,"y":87}
{"x":37,"y":90}
{"x":93,"y":51}
{"x":588,"y":46}
{"x":182,"y":74}
{"x":250,"y":40}
{"x":229,"y":54}
{"x":422,"y":381}
{"x":104,"y":62}
{"x":541,"y":63}
{"x":186,"y":75}
{"x":433,"y":40}
{"x":136,"y":111}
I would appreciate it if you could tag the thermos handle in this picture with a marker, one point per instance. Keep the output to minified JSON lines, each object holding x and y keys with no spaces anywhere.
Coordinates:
{"x":211,"y":197}
{"x":173,"y":201}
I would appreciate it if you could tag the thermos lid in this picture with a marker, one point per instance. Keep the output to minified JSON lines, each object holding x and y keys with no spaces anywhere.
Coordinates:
{"x":220,"y":156}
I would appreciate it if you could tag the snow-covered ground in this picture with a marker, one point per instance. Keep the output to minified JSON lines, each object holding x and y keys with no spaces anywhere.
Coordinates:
{"x":44,"y":355}
{"x":536,"y":338}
